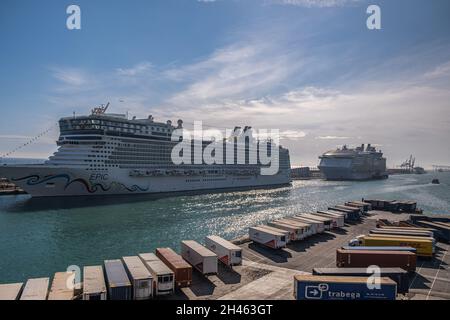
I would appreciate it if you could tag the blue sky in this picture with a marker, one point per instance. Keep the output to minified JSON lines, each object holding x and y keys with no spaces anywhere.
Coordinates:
{"x":310,"y":68}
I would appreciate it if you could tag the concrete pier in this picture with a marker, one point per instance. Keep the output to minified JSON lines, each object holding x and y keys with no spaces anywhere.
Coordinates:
{"x":268,"y":274}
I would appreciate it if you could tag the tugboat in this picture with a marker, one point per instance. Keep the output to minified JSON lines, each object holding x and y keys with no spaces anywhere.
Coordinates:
{"x":435,"y":181}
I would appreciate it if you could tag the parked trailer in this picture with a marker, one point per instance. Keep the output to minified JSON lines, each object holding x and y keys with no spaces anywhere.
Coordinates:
{"x":295,"y":231}
{"x":426,"y":234}
{"x":318,"y":226}
{"x":307,"y":228}
{"x":35,"y":289}
{"x":140,"y":277}
{"x":94,"y":287}
{"x":228,"y":253}
{"x":312,"y":287}
{"x":268,"y":238}
{"x":397,"y":236}
{"x":119,"y":285}
{"x":364,"y":205}
{"x":286,"y":233}
{"x":63,"y":286}
{"x":405,"y":226}
{"x":342,"y":213}
{"x":410,"y":249}
{"x":201,"y":258}
{"x":327,"y":222}
{"x":10,"y":291}
{"x":424,"y":247}
{"x":382,"y":259}
{"x":443,"y":232}
{"x":400,"y":276}
{"x":352,"y":215}
{"x":163,"y":277}
{"x":339,"y":220}
{"x":181,"y":269}
{"x":334,"y":219}
{"x":351,"y":208}
{"x":348,"y":212}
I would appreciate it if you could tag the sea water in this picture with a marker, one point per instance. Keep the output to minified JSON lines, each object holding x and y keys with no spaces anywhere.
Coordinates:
{"x":39,"y":237}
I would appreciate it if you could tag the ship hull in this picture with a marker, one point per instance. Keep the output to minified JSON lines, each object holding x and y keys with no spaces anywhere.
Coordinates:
{"x":340,"y":174}
{"x":57,"y":181}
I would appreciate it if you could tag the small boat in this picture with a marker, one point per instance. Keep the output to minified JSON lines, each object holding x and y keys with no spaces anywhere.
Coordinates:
{"x":435,"y":181}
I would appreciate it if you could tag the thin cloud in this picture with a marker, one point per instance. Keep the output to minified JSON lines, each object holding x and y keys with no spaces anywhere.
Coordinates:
{"x":442,"y":70}
{"x":135,"y":70}
{"x":233,"y":72}
{"x":70,"y":76}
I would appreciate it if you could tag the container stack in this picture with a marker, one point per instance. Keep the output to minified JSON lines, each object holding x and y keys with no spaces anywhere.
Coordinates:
{"x":276,"y":234}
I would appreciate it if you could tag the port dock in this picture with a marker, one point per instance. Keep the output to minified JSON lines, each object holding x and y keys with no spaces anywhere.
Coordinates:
{"x":268,"y":274}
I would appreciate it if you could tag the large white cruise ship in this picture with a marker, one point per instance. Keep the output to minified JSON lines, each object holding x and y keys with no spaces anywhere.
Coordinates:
{"x":106,"y":154}
{"x":359,"y":163}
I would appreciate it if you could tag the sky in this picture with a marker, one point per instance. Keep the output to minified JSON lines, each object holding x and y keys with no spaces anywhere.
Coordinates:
{"x":310,"y":68}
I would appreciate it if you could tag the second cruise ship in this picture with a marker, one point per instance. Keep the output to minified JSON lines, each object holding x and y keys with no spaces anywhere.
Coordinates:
{"x":360,"y":163}
{"x":104,"y":154}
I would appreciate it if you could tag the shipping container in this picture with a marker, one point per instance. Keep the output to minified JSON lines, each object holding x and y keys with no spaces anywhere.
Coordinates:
{"x":35,"y":289}
{"x":268,"y":238}
{"x":94,"y":287}
{"x":163,"y":277}
{"x":201,"y":258}
{"x":286,"y":233}
{"x":307,"y":228}
{"x":352,"y":215}
{"x":63,"y":286}
{"x":119,"y":285}
{"x":351,"y":208}
{"x":140,"y":277}
{"x":294,"y":231}
{"x":397,"y":236}
{"x":318,"y":227}
{"x":385,"y":248}
{"x":406,"y":233}
{"x":10,"y":291}
{"x":443,"y":232}
{"x":228,"y":253}
{"x":400,"y":276}
{"x":364,"y":205}
{"x":311,"y":287}
{"x":424,"y":247}
{"x":383,"y":259}
{"x":181,"y":269}
{"x":404,"y":227}
{"x":345,"y":214}
{"x":334,"y":212}
{"x":327,"y":222}
{"x":338,"y":220}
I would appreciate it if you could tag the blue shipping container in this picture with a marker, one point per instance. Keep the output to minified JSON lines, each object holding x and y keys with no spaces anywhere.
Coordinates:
{"x":307,"y":287}
{"x":119,"y":285}
{"x":399,"y":275}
